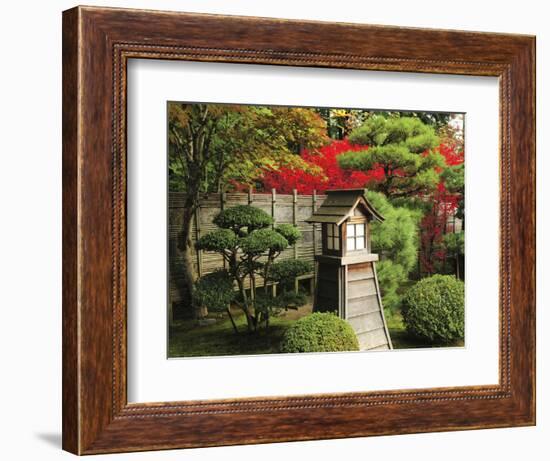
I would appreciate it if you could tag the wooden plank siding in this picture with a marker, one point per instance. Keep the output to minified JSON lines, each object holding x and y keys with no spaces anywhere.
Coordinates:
{"x":285,"y":208}
{"x":364,"y":310}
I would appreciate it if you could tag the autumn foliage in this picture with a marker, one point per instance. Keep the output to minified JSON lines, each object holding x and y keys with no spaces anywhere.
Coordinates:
{"x":331,"y":176}
{"x":441,"y":203}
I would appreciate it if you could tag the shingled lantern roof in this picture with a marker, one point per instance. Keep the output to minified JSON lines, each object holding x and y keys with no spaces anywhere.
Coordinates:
{"x":340,"y":205}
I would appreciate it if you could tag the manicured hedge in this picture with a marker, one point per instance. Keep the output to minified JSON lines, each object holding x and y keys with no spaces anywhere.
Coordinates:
{"x":215,"y":291}
{"x":433,"y":309}
{"x":320,"y":332}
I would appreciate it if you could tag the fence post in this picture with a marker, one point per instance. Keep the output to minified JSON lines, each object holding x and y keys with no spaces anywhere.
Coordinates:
{"x":295,"y":217}
{"x":252,"y":285}
{"x":313,"y":208}
{"x":295,"y":222}
{"x":273,"y":205}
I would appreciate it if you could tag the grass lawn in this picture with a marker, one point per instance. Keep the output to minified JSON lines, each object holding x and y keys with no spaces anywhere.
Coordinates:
{"x":189,"y":340}
{"x":400,"y":338}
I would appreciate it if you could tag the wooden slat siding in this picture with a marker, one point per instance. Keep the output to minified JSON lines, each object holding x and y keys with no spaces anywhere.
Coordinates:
{"x":286,"y":208}
{"x":366,"y":323}
{"x":361,"y":288}
{"x":362,"y":306}
{"x":366,"y":272}
{"x":295,"y":222}
{"x":364,"y":309}
{"x":373,"y":339}
{"x":383,"y":347}
{"x":379,"y":294}
{"x":273,"y":203}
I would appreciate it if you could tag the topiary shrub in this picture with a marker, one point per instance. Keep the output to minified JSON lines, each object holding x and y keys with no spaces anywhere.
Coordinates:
{"x":249,"y":247}
{"x":243,"y":216}
{"x":320,"y":332}
{"x":215,"y":291}
{"x":286,"y":271}
{"x":433,"y":309}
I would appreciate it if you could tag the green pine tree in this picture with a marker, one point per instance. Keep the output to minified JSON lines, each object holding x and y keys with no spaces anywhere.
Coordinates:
{"x":403,"y":147}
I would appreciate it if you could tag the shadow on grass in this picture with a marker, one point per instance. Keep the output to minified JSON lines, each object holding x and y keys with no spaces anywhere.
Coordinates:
{"x":189,"y":340}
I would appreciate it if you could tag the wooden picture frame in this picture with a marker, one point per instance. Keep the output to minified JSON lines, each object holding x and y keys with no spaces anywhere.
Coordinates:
{"x":97,"y":43}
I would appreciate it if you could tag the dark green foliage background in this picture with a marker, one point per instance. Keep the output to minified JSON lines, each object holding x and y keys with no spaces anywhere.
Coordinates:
{"x":396,"y":241}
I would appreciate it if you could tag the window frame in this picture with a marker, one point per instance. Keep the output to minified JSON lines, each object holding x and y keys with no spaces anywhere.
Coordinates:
{"x":332,"y":237}
{"x":355,"y":235}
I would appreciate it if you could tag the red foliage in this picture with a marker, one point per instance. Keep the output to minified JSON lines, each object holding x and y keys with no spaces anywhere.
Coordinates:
{"x":332,"y":177}
{"x":433,"y":228}
{"x":433,"y":224}
{"x":452,"y":155}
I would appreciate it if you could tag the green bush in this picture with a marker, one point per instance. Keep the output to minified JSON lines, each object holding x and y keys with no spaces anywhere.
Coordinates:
{"x":243,"y":216}
{"x":290,"y":232}
{"x":286,"y":271}
{"x":320,"y":332}
{"x":262,"y":240}
{"x":214,"y":291}
{"x":218,"y":240}
{"x":433,"y":309}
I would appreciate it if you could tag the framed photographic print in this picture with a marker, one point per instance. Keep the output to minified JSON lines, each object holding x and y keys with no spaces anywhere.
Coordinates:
{"x":270,"y":234}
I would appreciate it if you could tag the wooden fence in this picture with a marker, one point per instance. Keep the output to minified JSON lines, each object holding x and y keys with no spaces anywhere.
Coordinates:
{"x":285,"y":208}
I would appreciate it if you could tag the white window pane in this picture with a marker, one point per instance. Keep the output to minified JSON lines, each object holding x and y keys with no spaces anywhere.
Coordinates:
{"x":351,"y":230}
{"x":336,"y":243}
{"x":351,"y":244}
{"x":360,"y":229}
{"x":329,"y":243}
{"x":336,"y":230}
{"x":360,"y":243}
{"x":329,"y":230}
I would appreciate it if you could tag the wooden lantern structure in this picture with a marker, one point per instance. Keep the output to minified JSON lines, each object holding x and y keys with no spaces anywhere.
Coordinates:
{"x":346,"y":270}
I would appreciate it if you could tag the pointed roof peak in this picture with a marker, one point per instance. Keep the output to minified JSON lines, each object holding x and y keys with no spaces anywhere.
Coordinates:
{"x":340,"y":205}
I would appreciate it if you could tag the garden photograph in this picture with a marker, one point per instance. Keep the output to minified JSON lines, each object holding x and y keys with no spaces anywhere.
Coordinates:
{"x":313,"y":229}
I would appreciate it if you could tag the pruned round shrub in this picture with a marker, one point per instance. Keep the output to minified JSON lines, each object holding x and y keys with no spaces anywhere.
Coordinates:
{"x":263,"y":240}
{"x":320,"y":332}
{"x":243,"y":216}
{"x":433,"y":309}
{"x":290,"y":232}
{"x":218,"y":240}
{"x":285,"y":272}
{"x":215,"y":291}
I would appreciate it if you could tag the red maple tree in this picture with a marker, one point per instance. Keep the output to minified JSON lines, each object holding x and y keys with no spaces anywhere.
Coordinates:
{"x":443,"y":204}
{"x":433,"y":225}
{"x":284,"y":180}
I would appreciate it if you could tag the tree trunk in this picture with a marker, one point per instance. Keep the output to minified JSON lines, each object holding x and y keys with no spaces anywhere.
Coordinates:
{"x":188,"y":276}
{"x":245,"y":307}
{"x":235,"y":329}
